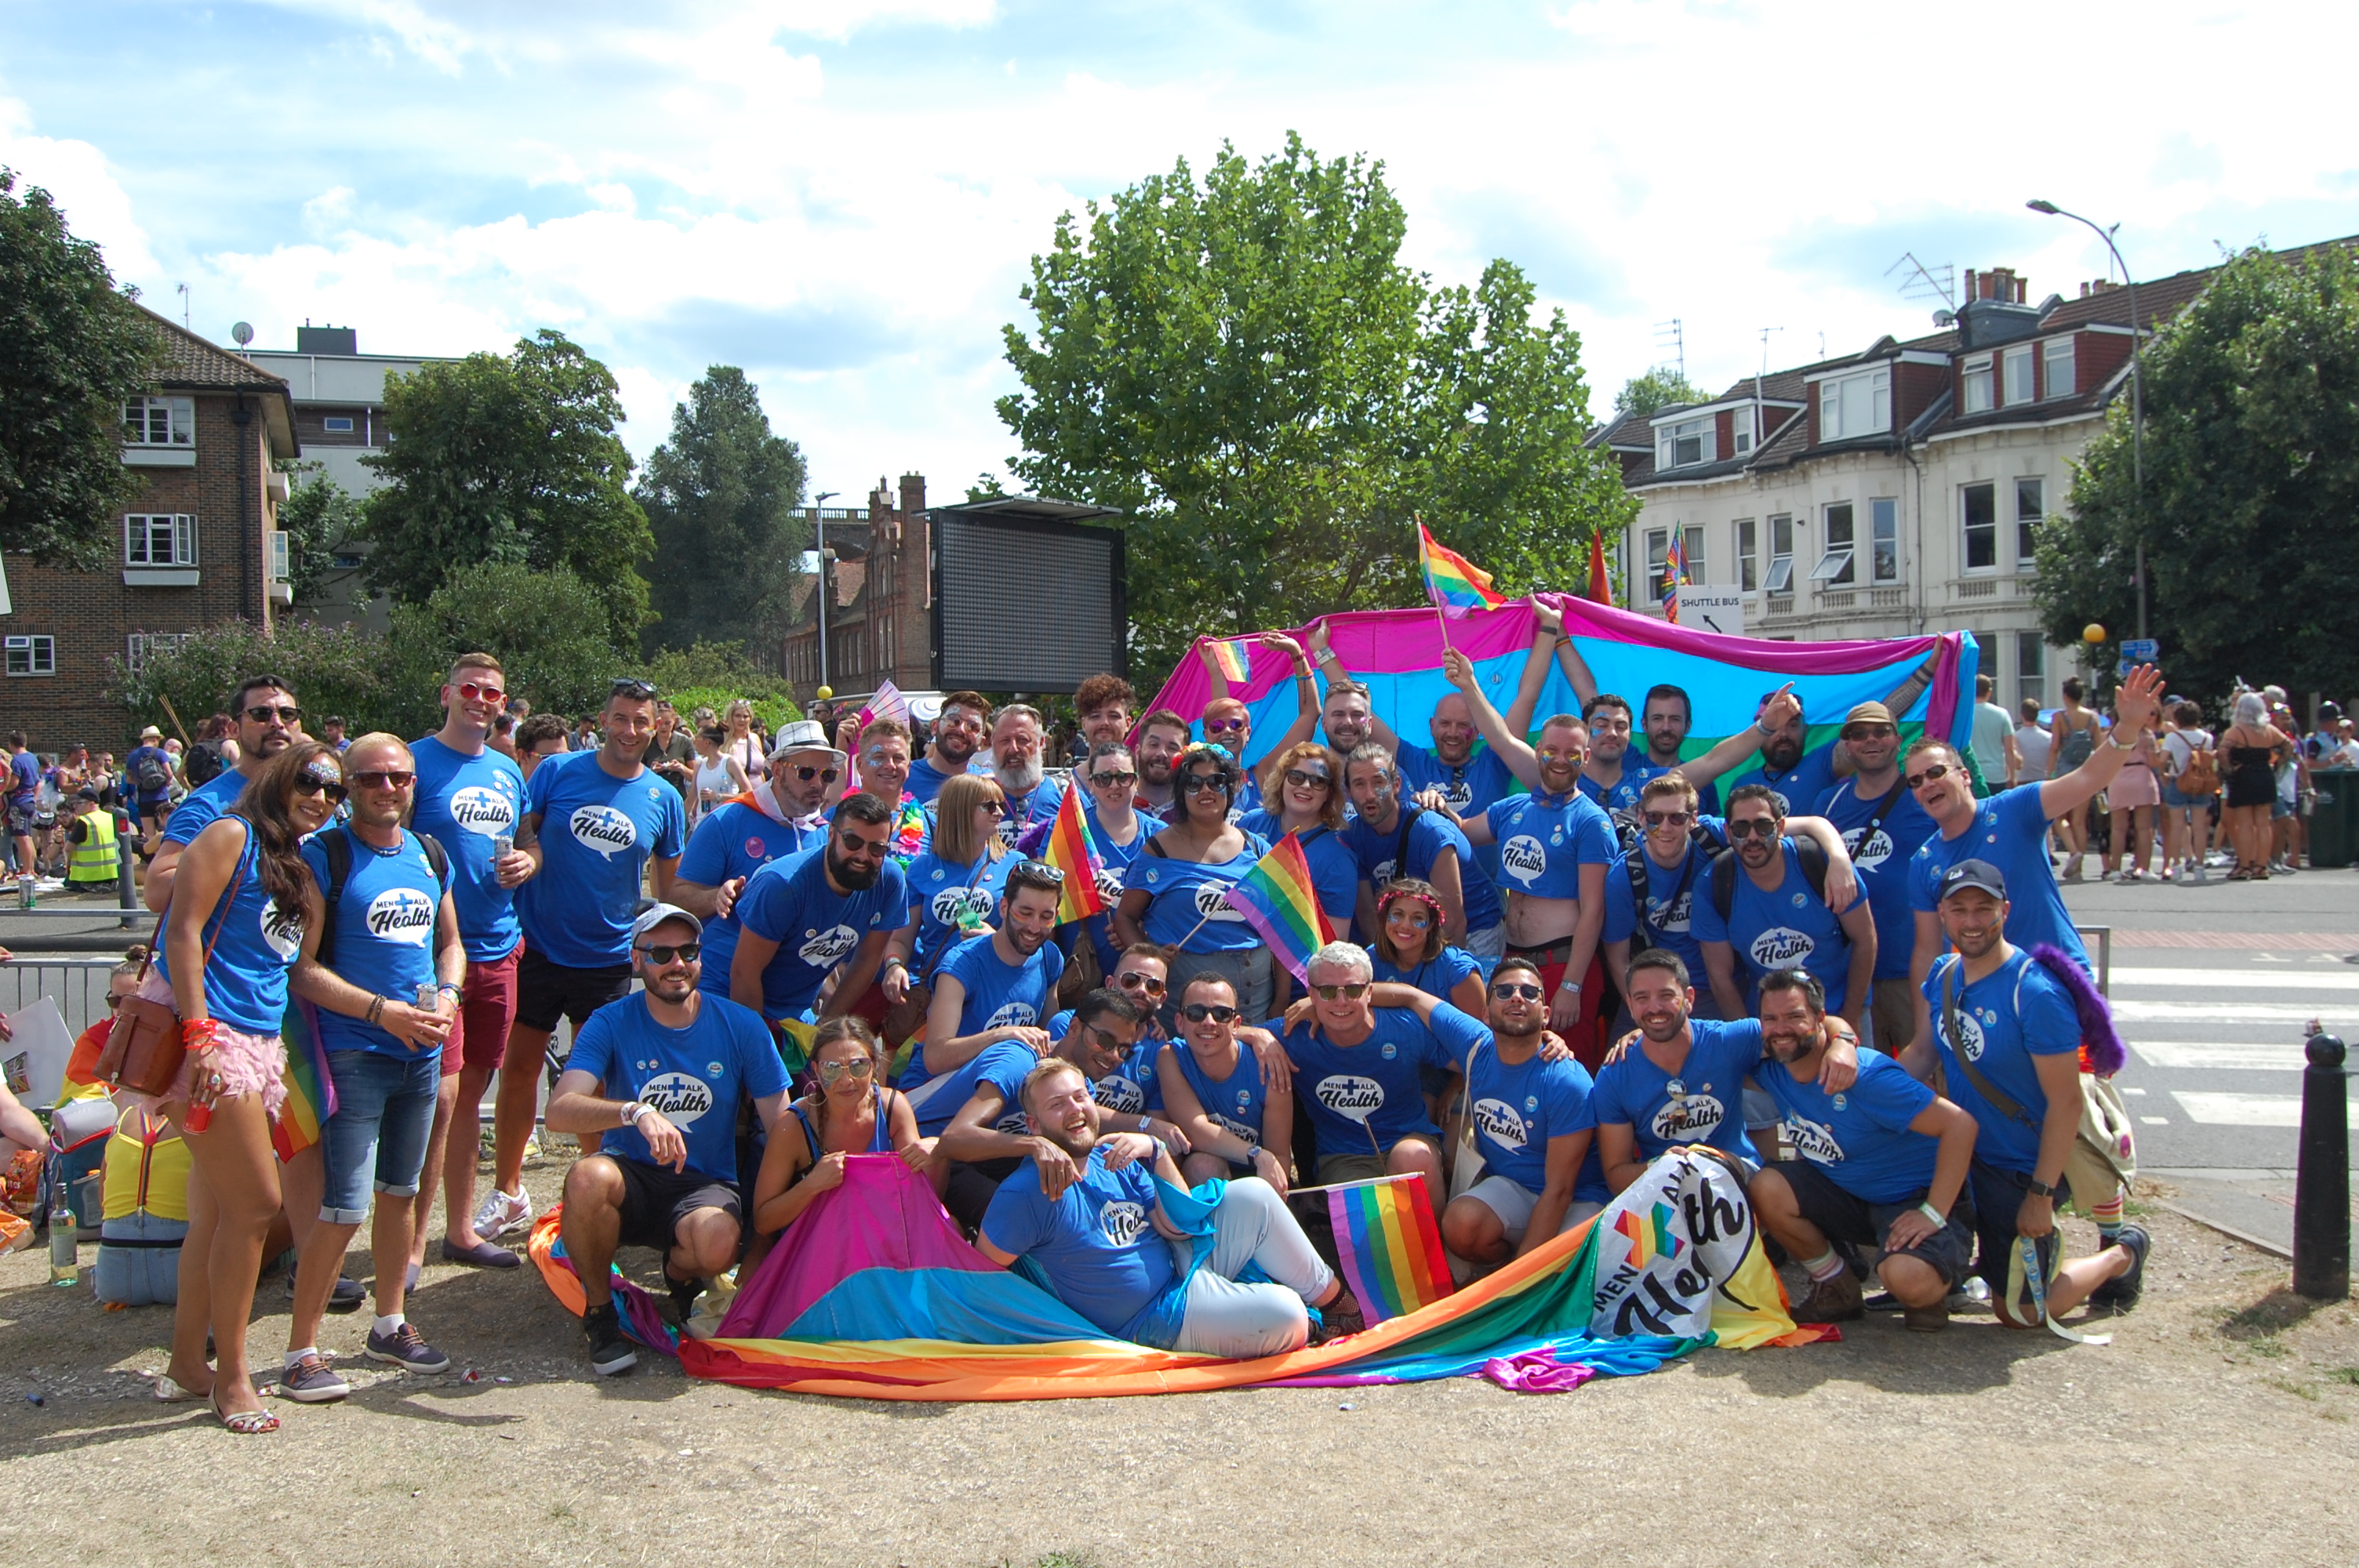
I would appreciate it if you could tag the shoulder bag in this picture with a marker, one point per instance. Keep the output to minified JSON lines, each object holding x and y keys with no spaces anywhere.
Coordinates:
{"x":144,"y":1050}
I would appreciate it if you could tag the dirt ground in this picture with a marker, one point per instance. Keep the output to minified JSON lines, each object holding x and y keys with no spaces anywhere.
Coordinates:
{"x":2217,"y":1429}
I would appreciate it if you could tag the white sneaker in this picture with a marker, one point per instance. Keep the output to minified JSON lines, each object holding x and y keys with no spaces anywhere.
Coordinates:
{"x":503,"y":1213}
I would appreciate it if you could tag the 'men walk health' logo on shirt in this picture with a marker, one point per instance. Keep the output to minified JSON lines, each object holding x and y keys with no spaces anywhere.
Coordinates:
{"x":481,"y":809}
{"x":401,"y":914}
{"x":603,"y":829}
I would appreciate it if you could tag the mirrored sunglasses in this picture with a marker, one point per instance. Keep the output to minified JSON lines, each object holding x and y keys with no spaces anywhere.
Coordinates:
{"x":1138,"y":981}
{"x":860,"y":1066}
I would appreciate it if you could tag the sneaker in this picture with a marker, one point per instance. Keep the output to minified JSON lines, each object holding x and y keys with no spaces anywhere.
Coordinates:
{"x":1832,"y":1300}
{"x":2122,"y":1291}
{"x":684,"y":1295}
{"x":1973,"y":1294}
{"x":347,"y":1296}
{"x":312,"y":1381}
{"x":610,"y":1354}
{"x":407,"y":1349}
{"x":503,"y":1213}
{"x":1925,"y":1319}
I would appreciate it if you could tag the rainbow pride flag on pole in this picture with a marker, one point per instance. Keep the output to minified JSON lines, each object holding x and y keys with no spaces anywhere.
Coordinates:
{"x":311,"y":1092}
{"x":1388,"y":1244}
{"x":1278,"y":899}
{"x":1072,"y":850}
{"x":1675,"y":576}
{"x":1452,"y":581}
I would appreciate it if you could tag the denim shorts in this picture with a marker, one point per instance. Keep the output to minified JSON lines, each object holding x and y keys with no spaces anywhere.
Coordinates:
{"x":384,"y":1108}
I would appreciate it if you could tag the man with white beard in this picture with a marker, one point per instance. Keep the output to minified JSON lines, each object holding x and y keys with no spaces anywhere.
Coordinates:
{"x":1016,"y":736}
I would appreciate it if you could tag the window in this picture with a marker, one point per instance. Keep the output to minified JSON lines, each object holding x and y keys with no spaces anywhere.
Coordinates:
{"x":1883,"y":545}
{"x":1980,"y":503}
{"x":2028,"y":511}
{"x":2030,"y":667}
{"x":1740,"y":427}
{"x":159,"y":421}
{"x":337,"y":424}
{"x":1695,"y":555}
{"x":1658,"y":550}
{"x":160,"y":539}
{"x":1781,"y":557}
{"x":1978,"y":385}
{"x":1855,"y":405}
{"x":1747,"y":575}
{"x":32,"y":656}
{"x":2059,"y":368}
{"x":1689,"y":442}
{"x":1835,"y":555}
{"x":2016,"y":366}
{"x":140,"y":646}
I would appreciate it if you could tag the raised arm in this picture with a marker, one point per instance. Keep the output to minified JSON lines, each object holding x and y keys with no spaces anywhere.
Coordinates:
{"x":1739,"y":746}
{"x":1903,"y":698}
{"x":1513,"y":748}
{"x":1548,"y":630}
{"x":1575,"y":668}
{"x":2136,"y":706}
{"x":1379,"y":730}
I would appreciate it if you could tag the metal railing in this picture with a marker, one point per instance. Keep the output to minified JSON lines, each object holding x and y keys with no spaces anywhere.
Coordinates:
{"x":78,"y":984}
{"x":2105,"y":935}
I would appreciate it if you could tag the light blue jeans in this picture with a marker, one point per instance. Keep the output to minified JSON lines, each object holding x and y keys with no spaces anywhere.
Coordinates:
{"x":384,"y":1109}
{"x":1226,"y":1318}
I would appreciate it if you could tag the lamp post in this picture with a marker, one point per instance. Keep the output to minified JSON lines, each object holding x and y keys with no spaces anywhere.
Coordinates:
{"x":819,"y":521}
{"x":2137,"y":391}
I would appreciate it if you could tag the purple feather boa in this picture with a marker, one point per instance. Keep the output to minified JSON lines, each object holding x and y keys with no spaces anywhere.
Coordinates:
{"x":2107,"y":1055}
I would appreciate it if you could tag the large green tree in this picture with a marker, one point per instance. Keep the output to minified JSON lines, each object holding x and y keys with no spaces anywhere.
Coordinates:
{"x":510,"y":460}
{"x":1656,"y":390}
{"x":542,"y":623}
{"x":1245,"y":368}
{"x":73,"y":347}
{"x":720,"y":499}
{"x":2252,"y":484}
{"x":318,"y":516}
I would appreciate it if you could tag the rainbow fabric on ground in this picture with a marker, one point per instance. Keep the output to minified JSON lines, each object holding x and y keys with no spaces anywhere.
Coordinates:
{"x":1389,"y":1245}
{"x":311,"y":1092}
{"x":1278,"y":899}
{"x":1072,"y":850}
{"x":1452,"y":581}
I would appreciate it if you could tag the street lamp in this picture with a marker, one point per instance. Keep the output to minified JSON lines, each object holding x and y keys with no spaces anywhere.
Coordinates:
{"x":819,"y":521}
{"x":2137,"y":392}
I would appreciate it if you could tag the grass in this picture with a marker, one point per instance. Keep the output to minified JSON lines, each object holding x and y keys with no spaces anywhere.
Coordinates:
{"x":2344,"y":1375}
{"x":2300,"y":1391}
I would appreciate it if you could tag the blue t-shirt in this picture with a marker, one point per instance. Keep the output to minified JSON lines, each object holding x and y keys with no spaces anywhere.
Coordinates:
{"x":1235,"y":1103}
{"x":253,"y":940}
{"x":25,"y":780}
{"x":1882,"y":864}
{"x":1799,"y":785}
{"x":1428,"y":838}
{"x":1703,"y":1102}
{"x":1026,"y":812}
{"x":1544,"y":841}
{"x":203,"y":805}
{"x":384,"y":934}
{"x":1624,"y":795}
{"x":1517,"y":1109}
{"x":1789,"y":926}
{"x":2016,"y":1012}
{"x":1182,"y":892}
{"x":463,"y":803}
{"x":694,"y":1075}
{"x":1468,"y":788}
{"x":1004,"y":1066}
{"x":1376,"y":1085}
{"x":1860,"y":1137}
{"x":1100,"y":1248}
{"x":791,"y":902}
{"x":2010,"y":831}
{"x":1437,"y":976}
{"x":596,"y":834}
{"x":926,"y":780}
{"x":1333,"y":872}
{"x":735,"y":841}
{"x":1133,"y":1088}
{"x":1672,"y":895}
{"x":999,"y":993}
{"x":143,"y":794}
{"x":940,"y":891}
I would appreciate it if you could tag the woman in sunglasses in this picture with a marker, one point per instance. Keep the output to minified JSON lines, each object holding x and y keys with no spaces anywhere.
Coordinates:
{"x":240,"y":908}
{"x":848,"y":1111}
{"x":1304,"y":786}
{"x":1172,"y":893}
{"x":1409,"y":947}
{"x":1110,"y":777}
{"x":954,"y":886}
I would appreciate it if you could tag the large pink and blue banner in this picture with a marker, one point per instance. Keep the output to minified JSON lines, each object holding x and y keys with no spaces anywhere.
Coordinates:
{"x":1398,"y":653}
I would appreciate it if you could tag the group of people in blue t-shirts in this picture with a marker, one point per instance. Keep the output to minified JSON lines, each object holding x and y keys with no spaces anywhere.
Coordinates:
{"x":1552,"y":964}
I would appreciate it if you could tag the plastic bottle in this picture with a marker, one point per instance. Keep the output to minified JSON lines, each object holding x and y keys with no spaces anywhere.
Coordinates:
{"x":65,"y":1256}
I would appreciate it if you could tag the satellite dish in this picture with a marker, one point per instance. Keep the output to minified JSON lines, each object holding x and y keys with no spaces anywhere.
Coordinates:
{"x":243,"y":332}
{"x":1944,"y":317}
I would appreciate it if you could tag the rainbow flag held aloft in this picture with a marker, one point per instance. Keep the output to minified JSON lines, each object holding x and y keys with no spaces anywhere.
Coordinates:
{"x":1278,"y":899}
{"x":1452,"y":581}
{"x":1389,"y":1245}
{"x":1601,"y":588}
{"x":1234,"y":657}
{"x":1675,"y":576}
{"x":1072,"y":850}
{"x":311,"y":1092}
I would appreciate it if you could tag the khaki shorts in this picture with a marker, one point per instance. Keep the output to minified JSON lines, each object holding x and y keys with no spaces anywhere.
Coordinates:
{"x":1363,"y":1167}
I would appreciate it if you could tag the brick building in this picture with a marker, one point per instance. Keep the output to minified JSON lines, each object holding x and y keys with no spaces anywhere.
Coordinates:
{"x":880,"y":623}
{"x":196,"y":547}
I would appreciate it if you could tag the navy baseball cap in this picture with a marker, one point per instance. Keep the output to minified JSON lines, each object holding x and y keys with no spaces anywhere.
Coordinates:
{"x":1979,"y":874}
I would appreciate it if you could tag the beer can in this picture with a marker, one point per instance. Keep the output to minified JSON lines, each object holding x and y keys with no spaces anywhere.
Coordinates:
{"x":429,"y":997}
{"x":500,"y":846}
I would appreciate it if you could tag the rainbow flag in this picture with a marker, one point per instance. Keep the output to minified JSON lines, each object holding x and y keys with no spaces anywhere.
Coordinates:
{"x":1070,"y":850}
{"x":310,"y":1093}
{"x":1278,"y":899}
{"x":1452,"y":581}
{"x":1675,"y":574}
{"x":1388,"y":1244}
{"x":1234,"y":657}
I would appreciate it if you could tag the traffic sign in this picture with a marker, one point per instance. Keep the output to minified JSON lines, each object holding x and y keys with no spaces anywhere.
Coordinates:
{"x":1720,"y":609}
{"x":2141,"y":650}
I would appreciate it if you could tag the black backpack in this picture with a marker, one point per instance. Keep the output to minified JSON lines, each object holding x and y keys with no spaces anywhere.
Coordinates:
{"x":1725,"y":868}
{"x":155,"y":778}
{"x":336,"y":843}
{"x":1641,"y":869}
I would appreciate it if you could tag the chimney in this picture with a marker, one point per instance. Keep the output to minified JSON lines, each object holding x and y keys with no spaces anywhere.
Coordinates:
{"x":913,"y":493}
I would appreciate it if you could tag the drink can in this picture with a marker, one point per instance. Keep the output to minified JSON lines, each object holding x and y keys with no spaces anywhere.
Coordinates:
{"x":429,"y":997}
{"x":502,"y":846}
{"x":26,"y":898}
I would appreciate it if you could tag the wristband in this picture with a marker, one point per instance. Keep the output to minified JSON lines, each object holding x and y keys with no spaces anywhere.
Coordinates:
{"x":376,"y":1008}
{"x":201,"y":1031}
{"x":1253,"y":1152}
{"x":1940,"y":1221}
{"x":1573,"y":986}
{"x":632,"y":1111}
{"x":447,"y":985}
{"x":2040,"y":1189}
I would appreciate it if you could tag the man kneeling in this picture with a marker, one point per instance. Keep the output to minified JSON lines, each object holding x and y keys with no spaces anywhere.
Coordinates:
{"x":668,"y":1066}
{"x":1114,"y":1256}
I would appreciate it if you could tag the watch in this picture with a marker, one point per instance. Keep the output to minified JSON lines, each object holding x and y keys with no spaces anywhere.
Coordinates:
{"x":1253,"y":1152}
{"x":2038,"y":1188}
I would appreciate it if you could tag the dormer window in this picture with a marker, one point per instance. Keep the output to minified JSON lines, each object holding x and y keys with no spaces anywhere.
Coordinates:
{"x":1740,"y":428}
{"x":1855,"y":405}
{"x":2060,"y":381}
{"x":2018,"y":369}
{"x":1685,"y":444}
{"x":1977,"y":395}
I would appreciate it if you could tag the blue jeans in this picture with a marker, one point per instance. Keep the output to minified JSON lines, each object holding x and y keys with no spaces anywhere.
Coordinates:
{"x":385,"y":1110}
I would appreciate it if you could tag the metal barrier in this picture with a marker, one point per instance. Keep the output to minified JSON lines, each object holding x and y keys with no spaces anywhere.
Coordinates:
{"x":2105,"y":935}
{"x":78,"y":984}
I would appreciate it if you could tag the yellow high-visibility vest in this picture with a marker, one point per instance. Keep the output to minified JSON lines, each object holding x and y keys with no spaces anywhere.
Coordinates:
{"x":95,"y":858}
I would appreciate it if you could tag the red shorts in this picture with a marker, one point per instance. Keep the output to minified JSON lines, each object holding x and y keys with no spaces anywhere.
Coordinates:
{"x":487,"y":1007}
{"x":1587,"y":1037}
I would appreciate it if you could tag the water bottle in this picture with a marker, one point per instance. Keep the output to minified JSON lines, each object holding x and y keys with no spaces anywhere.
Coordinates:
{"x":65,"y":1256}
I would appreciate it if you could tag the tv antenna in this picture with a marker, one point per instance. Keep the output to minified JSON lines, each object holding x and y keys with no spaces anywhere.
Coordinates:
{"x":1764,"y":371}
{"x":183,"y":292}
{"x":1669,"y":335}
{"x":1920,"y":282}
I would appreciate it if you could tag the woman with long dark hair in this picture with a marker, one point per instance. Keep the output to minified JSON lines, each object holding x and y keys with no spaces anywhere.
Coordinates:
{"x":1172,"y":893}
{"x":233,"y":929}
{"x":849,"y":1112}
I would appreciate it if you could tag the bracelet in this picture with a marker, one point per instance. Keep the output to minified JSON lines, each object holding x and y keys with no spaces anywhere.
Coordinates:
{"x":1940,"y":1221}
{"x":447,"y":985}
{"x":632,"y":1111}
{"x":1573,"y":986}
{"x":376,"y":1009}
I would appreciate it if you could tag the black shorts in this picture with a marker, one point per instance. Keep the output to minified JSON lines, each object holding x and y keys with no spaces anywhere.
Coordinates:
{"x":968,"y":1193}
{"x":1997,"y":1194}
{"x":21,"y":821}
{"x":547,"y":990}
{"x":1848,"y":1217}
{"x":656,"y":1198}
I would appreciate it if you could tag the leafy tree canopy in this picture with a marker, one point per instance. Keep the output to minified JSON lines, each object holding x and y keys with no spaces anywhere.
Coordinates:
{"x":720,"y":499}
{"x":1660,"y":388}
{"x":318,"y":516}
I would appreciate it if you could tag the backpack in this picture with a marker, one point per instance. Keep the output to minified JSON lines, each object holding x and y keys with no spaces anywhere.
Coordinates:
{"x":1725,"y":868}
{"x":1640,"y":870}
{"x":154,"y":777}
{"x":2077,"y":746}
{"x":336,"y":843}
{"x":2199,"y":779}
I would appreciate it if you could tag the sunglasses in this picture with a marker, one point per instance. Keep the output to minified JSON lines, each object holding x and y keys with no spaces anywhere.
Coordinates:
{"x":995,"y":808}
{"x":1303,"y":778}
{"x":334,"y":792}
{"x":1224,"y":726}
{"x":684,"y":953}
{"x":1669,"y":818}
{"x":1938,"y":771}
{"x":264,"y":713}
{"x":1138,"y":981}
{"x":859,"y":1066}
{"x":628,"y":686}
{"x":470,"y":692}
{"x":825,"y":776}
{"x":1041,"y":870}
{"x":1123,"y":780}
{"x":113,"y":1001}
{"x":1753,"y":827}
{"x":854,"y":844}
{"x":1870,"y":732}
{"x":1197,"y":1012}
{"x":1352,"y":992}
{"x":1511,"y":990}
{"x":383,"y":778}
{"x":1205,"y":783}
{"x":1103,"y":1039}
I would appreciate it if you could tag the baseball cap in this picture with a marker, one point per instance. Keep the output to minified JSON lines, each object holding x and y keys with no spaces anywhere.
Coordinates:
{"x":1979,"y":874}
{"x":803,"y":735}
{"x":87,"y":794}
{"x":655,"y":914}
{"x":1869,"y":713}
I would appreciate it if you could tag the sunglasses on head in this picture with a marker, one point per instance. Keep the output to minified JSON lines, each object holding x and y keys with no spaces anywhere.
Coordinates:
{"x":383,"y":778}
{"x":1938,"y":771}
{"x":825,"y":776}
{"x":1303,"y":778}
{"x":263,"y":713}
{"x":1753,"y":827}
{"x":671,"y":953}
{"x":1122,"y":780}
{"x":1140,"y":980}
{"x":1352,"y":992}
{"x":470,"y":691}
{"x":631,"y":686}
{"x":1198,"y":1011}
{"x":860,"y":1066}
{"x":1509,"y":990}
{"x":1669,"y":818}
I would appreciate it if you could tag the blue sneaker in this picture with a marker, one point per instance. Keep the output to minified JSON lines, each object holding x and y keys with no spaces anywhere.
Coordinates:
{"x":312,"y":1381}
{"x":407,"y":1349}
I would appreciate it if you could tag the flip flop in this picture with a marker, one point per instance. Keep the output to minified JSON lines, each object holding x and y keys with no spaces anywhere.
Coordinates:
{"x":482,"y":1255}
{"x":168,"y":1392}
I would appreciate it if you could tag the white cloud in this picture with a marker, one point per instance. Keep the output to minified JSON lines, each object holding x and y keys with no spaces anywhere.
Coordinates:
{"x":78,"y":176}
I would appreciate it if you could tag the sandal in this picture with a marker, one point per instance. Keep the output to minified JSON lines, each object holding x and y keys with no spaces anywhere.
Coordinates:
{"x":1335,"y":1321}
{"x":246,"y":1423}
{"x":168,"y":1392}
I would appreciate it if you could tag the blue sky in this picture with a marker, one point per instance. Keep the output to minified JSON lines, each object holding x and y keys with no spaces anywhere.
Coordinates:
{"x":842,"y":198}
